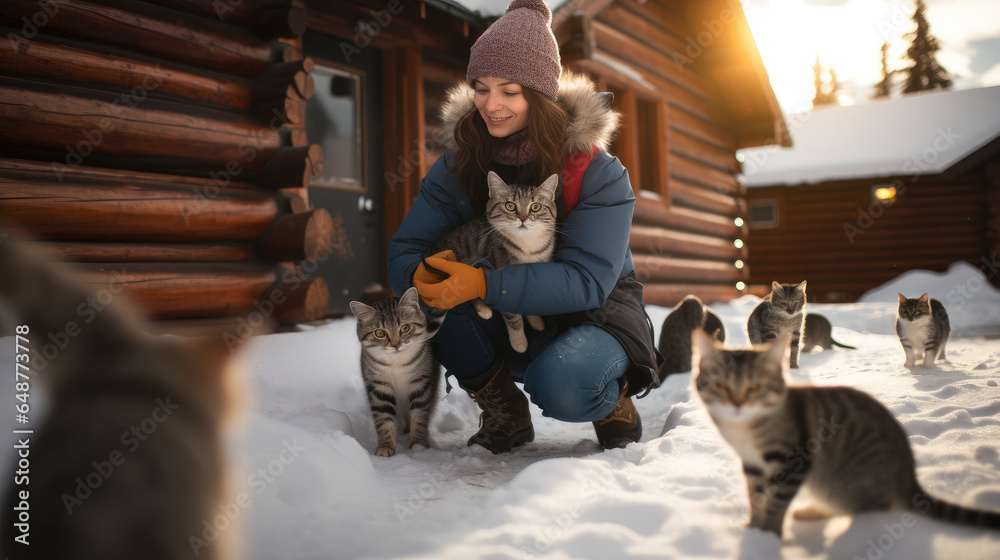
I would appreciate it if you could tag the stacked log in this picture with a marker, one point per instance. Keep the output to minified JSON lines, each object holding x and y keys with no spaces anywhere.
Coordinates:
{"x":161,"y":146}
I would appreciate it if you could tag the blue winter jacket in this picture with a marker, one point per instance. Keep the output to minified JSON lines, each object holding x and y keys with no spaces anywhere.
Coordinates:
{"x":592,"y":256}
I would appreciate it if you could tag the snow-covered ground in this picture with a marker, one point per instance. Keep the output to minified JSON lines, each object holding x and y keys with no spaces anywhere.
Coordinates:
{"x":678,"y":493}
{"x":317,"y":491}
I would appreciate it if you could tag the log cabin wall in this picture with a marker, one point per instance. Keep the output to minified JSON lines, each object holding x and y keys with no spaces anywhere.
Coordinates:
{"x":678,"y":140}
{"x":836,"y":236}
{"x":160,"y":147}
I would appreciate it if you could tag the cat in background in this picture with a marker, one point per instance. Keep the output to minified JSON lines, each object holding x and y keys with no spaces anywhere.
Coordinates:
{"x":819,"y":332}
{"x":675,"y":335}
{"x":863,"y":461}
{"x":519,"y":226}
{"x":923,"y":328}
{"x":400,"y":373}
{"x":157,"y":489}
{"x":780,"y":313}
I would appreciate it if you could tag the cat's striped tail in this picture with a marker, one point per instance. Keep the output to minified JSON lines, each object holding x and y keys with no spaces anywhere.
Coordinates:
{"x":945,"y":511}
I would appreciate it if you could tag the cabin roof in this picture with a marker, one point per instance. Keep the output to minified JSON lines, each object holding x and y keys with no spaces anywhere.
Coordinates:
{"x":918,"y":134}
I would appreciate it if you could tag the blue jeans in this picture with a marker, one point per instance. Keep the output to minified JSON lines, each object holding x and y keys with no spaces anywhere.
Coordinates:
{"x":571,"y":375}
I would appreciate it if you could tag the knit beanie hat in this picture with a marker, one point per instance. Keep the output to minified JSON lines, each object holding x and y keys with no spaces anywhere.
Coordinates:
{"x":519,"y":47}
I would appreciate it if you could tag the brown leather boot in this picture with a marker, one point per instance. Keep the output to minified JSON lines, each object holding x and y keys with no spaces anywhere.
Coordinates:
{"x":505,"y":422}
{"x":623,"y":425}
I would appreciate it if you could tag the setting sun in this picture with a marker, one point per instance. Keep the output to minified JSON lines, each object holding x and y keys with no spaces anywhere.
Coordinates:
{"x":847,"y":36}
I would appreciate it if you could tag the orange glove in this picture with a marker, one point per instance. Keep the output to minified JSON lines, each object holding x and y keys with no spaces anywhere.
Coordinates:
{"x":463,"y":283}
{"x":428,"y":277}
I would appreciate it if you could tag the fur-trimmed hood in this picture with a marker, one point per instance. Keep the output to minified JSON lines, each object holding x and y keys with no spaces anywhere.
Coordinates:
{"x":591,"y":121}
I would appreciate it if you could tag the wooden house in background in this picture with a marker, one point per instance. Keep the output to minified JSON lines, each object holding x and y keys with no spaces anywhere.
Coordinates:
{"x":160,"y":146}
{"x":685,"y":73}
{"x":216,"y":156}
{"x":871,"y":191}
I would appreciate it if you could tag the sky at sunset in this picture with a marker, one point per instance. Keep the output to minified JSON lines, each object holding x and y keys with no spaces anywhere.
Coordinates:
{"x":847,"y":35}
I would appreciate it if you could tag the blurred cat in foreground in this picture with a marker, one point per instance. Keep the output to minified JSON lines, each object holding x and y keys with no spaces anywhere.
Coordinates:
{"x":130,"y":460}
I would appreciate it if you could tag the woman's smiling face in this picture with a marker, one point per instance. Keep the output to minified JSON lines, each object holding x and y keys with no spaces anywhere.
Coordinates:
{"x":502,"y":105}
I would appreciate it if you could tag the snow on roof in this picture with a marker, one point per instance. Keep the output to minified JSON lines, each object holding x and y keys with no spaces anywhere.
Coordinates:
{"x":917,"y":134}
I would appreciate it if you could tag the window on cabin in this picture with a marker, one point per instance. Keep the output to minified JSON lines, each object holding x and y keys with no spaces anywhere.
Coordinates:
{"x":336,"y":123}
{"x":763,"y":213}
{"x":642,"y":144}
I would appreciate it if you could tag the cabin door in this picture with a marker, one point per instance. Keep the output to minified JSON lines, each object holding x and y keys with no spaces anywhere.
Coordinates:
{"x":344,"y":116}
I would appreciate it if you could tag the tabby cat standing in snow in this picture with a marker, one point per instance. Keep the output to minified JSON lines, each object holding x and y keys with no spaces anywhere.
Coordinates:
{"x":780,"y":313}
{"x":399,"y":370}
{"x":923,"y":329}
{"x":519,"y":226}
{"x":839,"y":444}
{"x":155,"y":491}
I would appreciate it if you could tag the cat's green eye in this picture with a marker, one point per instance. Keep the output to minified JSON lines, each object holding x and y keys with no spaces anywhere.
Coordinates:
{"x":404,"y":329}
{"x":754,"y":386}
{"x":510,"y":206}
{"x":379,"y":333}
{"x":720,"y":385}
{"x":535,"y":206}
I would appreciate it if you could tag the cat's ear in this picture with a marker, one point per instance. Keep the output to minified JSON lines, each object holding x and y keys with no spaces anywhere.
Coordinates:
{"x":775,"y":286}
{"x":410,"y":297}
{"x":548,"y":187}
{"x":902,"y":298}
{"x":801,"y":287}
{"x":362,"y":311}
{"x":495,"y":182}
{"x":924,"y":298}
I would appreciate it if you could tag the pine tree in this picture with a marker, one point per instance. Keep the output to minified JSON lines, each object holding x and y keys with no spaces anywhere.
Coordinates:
{"x":925,"y":73}
{"x":826,"y":89}
{"x":884,"y":87}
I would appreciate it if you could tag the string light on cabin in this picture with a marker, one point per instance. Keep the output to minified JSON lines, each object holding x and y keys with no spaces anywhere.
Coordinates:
{"x":739,"y":264}
{"x":738,"y":243}
{"x":884,"y":193}
{"x":738,"y":221}
{"x":740,"y":286}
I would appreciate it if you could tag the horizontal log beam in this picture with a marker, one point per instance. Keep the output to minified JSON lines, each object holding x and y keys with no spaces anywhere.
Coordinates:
{"x":651,"y":213}
{"x":70,"y":125}
{"x":75,"y":63}
{"x":307,"y":302}
{"x":96,"y":251}
{"x":670,"y":269}
{"x":183,"y":290}
{"x":670,"y":294}
{"x":133,"y":212}
{"x":661,"y":241}
{"x":153,"y":31}
{"x":294,"y":237}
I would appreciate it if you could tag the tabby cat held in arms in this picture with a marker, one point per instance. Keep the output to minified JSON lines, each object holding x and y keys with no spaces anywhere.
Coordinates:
{"x":923,"y":329}
{"x":400,"y":373}
{"x":838,"y":443}
{"x":519,"y":227}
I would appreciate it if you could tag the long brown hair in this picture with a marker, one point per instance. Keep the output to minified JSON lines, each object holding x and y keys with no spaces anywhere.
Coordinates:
{"x":475,"y":147}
